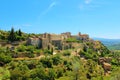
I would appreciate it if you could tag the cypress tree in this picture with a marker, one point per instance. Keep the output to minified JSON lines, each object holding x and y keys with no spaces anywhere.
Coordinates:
{"x":12,"y":36}
{"x":19,"y":32}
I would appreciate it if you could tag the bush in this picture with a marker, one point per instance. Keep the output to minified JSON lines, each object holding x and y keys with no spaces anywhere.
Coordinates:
{"x":51,"y":74}
{"x":72,"y":40}
{"x":4,"y":74}
{"x":20,"y":73}
{"x":59,"y":72}
{"x":5,"y":58}
{"x":56,"y":60}
{"x":46,"y":51}
{"x":37,"y":52}
{"x":66,"y":53}
{"x":30,"y":48}
{"x":30,"y":54}
{"x":88,"y":56}
{"x":47,"y":62}
{"x":21,"y":48}
{"x":39,"y":73}
{"x":82,"y":53}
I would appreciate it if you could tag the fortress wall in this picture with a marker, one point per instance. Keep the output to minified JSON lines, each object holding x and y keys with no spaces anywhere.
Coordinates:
{"x":57,"y":40}
{"x":56,"y":37}
{"x":84,"y":36}
{"x":45,"y":43}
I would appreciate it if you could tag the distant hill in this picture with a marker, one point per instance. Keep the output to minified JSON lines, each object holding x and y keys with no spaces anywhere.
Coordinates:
{"x":114,"y":47}
{"x":112,"y":44}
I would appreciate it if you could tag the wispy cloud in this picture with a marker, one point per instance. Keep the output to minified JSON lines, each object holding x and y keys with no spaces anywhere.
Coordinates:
{"x":53,"y":4}
{"x":85,"y":4}
{"x":89,"y":5}
{"x":88,"y":1}
{"x":26,"y":25}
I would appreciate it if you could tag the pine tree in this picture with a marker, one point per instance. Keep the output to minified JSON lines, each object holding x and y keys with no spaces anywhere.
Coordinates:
{"x":19,"y":32}
{"x":12,"y":36}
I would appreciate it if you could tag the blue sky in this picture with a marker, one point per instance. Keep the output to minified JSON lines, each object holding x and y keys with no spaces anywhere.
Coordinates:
{"x":98,"y":18}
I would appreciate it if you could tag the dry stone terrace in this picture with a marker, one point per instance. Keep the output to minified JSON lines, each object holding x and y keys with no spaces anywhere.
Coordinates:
{"x":56,"y":41}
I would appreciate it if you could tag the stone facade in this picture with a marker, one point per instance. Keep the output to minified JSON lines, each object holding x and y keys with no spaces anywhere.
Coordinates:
{"x":56,"y":41}
{"x":35,"y":42}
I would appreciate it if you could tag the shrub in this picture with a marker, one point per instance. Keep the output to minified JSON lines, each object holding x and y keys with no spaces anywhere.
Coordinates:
{"x":56,"y":60}
{"x":47,"y":62}
{"x":40,"y":73}
{"x":66,"y":53}
{"x":72,"y":40}
{"x":21,"y":48}
{"x":30,"y":48}
{"x":5,"y":58}
{"x":46,"y":51}
{"x":29,"y":54}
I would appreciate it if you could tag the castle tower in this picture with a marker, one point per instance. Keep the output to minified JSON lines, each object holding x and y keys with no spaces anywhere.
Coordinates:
{"x":79,"y":33}
{"x":48,"y":37}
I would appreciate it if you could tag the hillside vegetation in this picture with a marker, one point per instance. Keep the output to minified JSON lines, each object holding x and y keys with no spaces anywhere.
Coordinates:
{"x":90,"y":60}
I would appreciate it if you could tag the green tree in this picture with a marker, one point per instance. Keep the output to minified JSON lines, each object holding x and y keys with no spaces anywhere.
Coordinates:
{"x":21,"y":72}
{"x":47,"y":62}
{"x":66,"y":53}
{"x":56,"y":60}
{"x":5,"y":58}
{"x":19,"y":32}
{"x":4,"y":74}
{"x":51,"y":74}
{"x":12,"y":36}
{"x":37,"y":78}
{"x":40,"y":73}
{"x":59,"y":72}
{"x":116,"y":56}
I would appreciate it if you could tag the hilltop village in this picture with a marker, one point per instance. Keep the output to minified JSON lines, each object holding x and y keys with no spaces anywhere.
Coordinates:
{"x":61,"y":41}
{"x":48,"y":56}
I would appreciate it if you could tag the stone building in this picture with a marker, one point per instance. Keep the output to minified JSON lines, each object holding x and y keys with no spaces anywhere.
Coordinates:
{"x":55,"y":41}
{"x":35,"y":42}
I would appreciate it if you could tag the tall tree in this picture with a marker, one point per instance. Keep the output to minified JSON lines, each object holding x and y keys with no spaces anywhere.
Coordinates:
{"x":12,"y":36}
{"x":19,"y":32}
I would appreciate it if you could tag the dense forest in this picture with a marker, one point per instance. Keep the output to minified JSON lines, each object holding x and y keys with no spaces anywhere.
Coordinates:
{"x":19,"y":61}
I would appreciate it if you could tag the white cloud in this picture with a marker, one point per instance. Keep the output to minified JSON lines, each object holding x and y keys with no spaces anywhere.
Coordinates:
{"x":53,"y":4}
{"x":89,"y":5}
{"x":26,"y":25}
{"x":85,"y":4}
{"x":88,"y":1}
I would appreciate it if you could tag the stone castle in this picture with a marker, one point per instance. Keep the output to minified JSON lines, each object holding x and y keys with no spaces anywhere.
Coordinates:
{"x":56,"y":41}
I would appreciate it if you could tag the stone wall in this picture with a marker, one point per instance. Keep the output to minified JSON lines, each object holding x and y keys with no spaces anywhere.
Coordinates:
{"x":35,"y":42}
{"x":57,"y":44}
{"x":55,"y":37}
{"x":55,"y":40}
{"x":45,"y":43}
{"x":84,"y":37}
